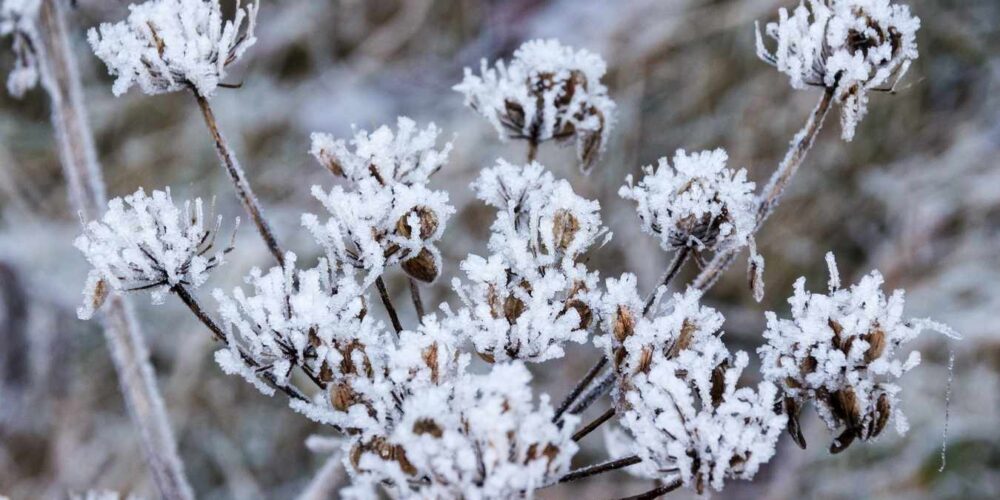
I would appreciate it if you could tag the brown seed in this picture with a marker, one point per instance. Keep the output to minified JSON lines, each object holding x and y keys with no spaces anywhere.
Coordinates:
{"x":846,"y":407}
{"x":487,"y":357}
{"x":684,"y":339}
{"x":876,"y":344}
{"x":843,"y":441}
{"x":430,"y":356}
{"x":422,"y":267}
{"x":808,"y":365}
{"x":428,"y":223}
{"x":718,"y":383}
{"x":565,"y":225}
{"x":427,"y":426}
{"x":100,"y":294}
{"x":342,"y":396}
{"x":794,"y":429}
{"x":513,"y":306}
{"x":645,"y":359}
{"x":582,"y":310}
{"x":883,"y":410}
{"x":623,"y":325}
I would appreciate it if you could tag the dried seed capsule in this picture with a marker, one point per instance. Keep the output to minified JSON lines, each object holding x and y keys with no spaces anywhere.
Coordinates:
{"x":565,"y":225}
{"x":428,"y":223}
{"x":422,"y":267}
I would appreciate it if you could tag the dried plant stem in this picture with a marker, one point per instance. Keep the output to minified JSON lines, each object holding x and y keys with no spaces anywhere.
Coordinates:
{"x":129,"y":353}
{"x":532,"y":150}
{"x":656,"y":492}
{"x":597,"y":422}
{"x":387,"y":302}
{"x":418,"y":303}
{"x":580,"y":387}
{"x":235,"y":172}
{"x":192,"y":303}
{"x":599,"y":389}
{"x":675,"y":266}
{"x":600,"y":468}
{"x":775,"y":187}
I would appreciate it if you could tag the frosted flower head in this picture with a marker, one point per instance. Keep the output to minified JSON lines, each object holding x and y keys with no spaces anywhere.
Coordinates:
{"x":170,"y":45}
{"x":482,"y":437}
{"x":696,"y":203}
{"x":688,"y":420}
{"x":548,"y":91}
{"x":17,"y":20}
{"x":408,"y":156}
{"x":848,"y":46}
{"x":531,"y":295}
{"x":838,"y":351}
{"x":376,"y":226}
{"x":148,"y":243}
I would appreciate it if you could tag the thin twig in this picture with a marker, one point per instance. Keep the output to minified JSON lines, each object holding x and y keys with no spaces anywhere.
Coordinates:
{"x":656,"y":492}
{"x":580,"y":386}
{"x":192,"y":303}
{"x":243,"y":189}
{"x":387,"y":302}
{"x":675,"y":266}
{"x":600,"y":389}
{"x":418,"y":303}
{"x":775,"y":187}
{"x":129,"y":353}
{"x":597,"y":422}
{"x":532,"y":150}
{"x":600,"y":468}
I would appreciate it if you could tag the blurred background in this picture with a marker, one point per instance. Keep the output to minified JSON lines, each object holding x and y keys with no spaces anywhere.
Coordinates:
{"x":916,"y":195}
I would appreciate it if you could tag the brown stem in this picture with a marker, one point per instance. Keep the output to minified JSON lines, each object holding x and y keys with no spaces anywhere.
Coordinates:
{"x":675,"y":266}
{"x":532,"y":150}
{"x":656,"y":492}
{"x":418,"y":303}
{"x":580,"y":386}
{"x":775,"y":187}
{"x":387,"y":302}
{"x":597,"y":422}
{"x":192,"y":303}
{"x":601,"y":468}
{"x":129,"y":353}
{"x":243,"y":189}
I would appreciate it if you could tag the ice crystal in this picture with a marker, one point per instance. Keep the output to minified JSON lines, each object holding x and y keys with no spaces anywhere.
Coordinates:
{"x":531,"y":294}
{"x":482,"y":437}
{"x":696,"y":203}
{"x":838,"y":351}
{"x":170,"y":45}
{"x":677,"y":394}
{"x":408,"y":155}
{"x":147,"y":243}
{"x":848,"y":46}
{"x":548,"y":91}
{"x":17,"y":20}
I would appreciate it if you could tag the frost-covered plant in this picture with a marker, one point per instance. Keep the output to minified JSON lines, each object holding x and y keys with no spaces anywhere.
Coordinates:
{"x":696,"y":203}
{"x":148,"y":243}
{"x":17,"y":21}
{"x":407,"y":156}
{"x":849,"y":47}
{"x":170,"y":45}
{"x":481,"y":437}
{"x":548,"y":91}
{"x":677,"y":395}
{"x":838,"y":351}
{"x":530,"y":295}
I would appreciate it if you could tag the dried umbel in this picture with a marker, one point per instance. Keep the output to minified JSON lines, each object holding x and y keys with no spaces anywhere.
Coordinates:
{"x":374,"y":226}
{"x":482,"y":437}
{"x":170,"y":45}
{"x":848,"y":46}
{"x":17,"y":20}
{"x":148,"y":243}
{"x":407,"y":156}
{"x":548,"y":91}
{"x":636,"y":342}
{"x":838,"y":352}
{"x":530,"y":295}
{"x":697,"y":203}
{"x":688,"y":419}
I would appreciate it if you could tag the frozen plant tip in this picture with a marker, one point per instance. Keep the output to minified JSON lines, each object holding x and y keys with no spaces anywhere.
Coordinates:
{"x":407,"y":156}
{"x":148,"y":243}
{"x":170,"y":45}
{"x":697,"y":203}
{"x":547,"y":91}
{"x":847,"y":46}
{"x":838,"y":351}
{"x":17,"y":20}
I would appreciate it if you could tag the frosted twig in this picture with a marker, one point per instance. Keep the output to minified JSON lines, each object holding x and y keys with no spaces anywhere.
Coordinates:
{"x":418,"y":303}
{"x":580,"y":387}
{"x":383,"y":293}
{"x":236,"y":174}
{"x":675,"y":266}
{"x":597,"y":422}
{"x":601,"y":388}
{"x":775,"y":187}
{"x":600,"y":468}
{"x":129,"y":352}
{"x":656,"y":492}
{"x":947,"y":410}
